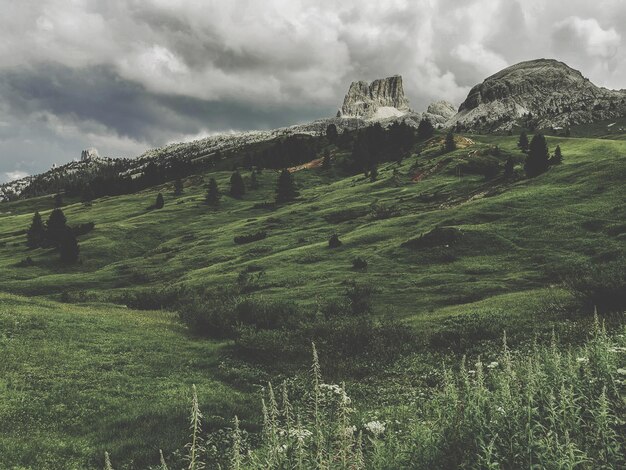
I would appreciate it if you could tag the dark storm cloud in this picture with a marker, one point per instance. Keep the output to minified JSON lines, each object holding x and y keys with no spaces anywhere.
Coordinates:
{"x":128,"y":75}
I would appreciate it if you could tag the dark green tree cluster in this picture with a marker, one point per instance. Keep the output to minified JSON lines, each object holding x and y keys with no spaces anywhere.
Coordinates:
{"x":537,"y":160}
{"x":374,"y":145}
{"x":425,"y":129}
{"x":55,"y":233}
{"x":400,"y":139}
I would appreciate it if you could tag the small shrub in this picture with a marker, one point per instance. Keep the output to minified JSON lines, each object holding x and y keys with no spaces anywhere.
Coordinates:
{"x":25,"y":263}
{"x":334,"y":242}
{"x":359,"y":264}
{"x":359,"y":297}
{"x":249,"y":238}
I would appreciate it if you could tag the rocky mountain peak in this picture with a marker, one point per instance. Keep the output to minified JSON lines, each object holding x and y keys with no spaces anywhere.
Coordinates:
{"x":550,"y":91}
{"x":383,"y":98}
{"x":441,"y":108}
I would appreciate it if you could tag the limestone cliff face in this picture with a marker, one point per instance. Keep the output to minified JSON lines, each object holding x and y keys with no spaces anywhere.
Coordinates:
{"x":553,"y":93}
{"x":382,"y":98}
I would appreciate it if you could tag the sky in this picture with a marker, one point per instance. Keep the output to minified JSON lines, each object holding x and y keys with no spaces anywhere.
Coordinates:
{"x":124,"y":76}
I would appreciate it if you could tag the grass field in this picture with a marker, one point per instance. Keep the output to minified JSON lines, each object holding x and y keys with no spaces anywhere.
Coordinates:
{"x":79,"y":379}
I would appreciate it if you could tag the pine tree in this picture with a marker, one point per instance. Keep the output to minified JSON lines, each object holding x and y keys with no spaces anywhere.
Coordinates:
{"x":326,"y":163}
{"x":285,"y":188}
{"x":254,"y":182}
{"x":68,"y":246}
{"x":237,"y":186}
{"x":373,"y":173}
{"x":213,"y":193}
{"x":36,"y":234}
{"x":522,"y":143}
{"x":58,"y":200}
{"x":55,"y":227}
{"x":449,"y":145}
{"x":160,"y":202}
{"x":331,"y":133}
{"x":537,"y":159}
{"x":557,"y":158}
{"x":178,"y":187}
{"x":425,"y":130}
{"x":509,"y":168}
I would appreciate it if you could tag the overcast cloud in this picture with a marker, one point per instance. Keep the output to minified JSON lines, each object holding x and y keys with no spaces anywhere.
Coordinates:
{"x":127,"y":75}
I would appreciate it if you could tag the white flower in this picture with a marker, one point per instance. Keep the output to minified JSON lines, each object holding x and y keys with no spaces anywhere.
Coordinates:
{"x":621,"y":371}
{"x":350,"y":430}
{"x":375,"y":427}
{"x":492,"y":365}
{"x":582,"y":359}
{"x":499,"y":409}
{"x":300,"y":433}
{"x":618,"y":349}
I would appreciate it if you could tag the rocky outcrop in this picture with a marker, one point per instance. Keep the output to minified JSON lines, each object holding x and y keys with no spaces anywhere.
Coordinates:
{"x":540,"y":94}
{"x":383,"y":98}
{"x":441,"y":108}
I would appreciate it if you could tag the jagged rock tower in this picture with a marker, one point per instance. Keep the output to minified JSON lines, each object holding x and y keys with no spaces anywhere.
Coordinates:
{"x":383,"y":98}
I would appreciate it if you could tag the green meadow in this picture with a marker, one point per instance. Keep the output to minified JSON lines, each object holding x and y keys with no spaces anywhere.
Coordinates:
{"x":93,"y":356}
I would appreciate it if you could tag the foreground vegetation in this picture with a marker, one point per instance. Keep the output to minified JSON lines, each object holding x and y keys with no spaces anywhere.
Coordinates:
{"x":548,"y":408}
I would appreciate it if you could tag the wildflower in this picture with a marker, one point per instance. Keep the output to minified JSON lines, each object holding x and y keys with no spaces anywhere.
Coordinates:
{"x":618,"y":349}
{"x":500,"y":410}
{"x":375,"y":427}
{"x":493,"y":365}
{"x":300,"y":433}
{"x":582,"y":359}
{"x":621,"y":371}
{"x":471,"y":372}
{"x":350,"y":430}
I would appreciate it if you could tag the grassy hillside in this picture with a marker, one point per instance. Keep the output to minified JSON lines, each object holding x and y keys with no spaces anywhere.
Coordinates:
{"x":76,"y":381}
{"x":513,"y":235}
{"x":455,"y":256}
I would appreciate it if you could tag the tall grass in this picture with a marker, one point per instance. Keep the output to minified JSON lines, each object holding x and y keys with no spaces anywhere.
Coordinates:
{"x":547,"y":408}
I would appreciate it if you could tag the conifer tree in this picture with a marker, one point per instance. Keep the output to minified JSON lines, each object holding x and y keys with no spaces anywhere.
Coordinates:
{"x":537,"y":160}
{"x":373,"y":173}
{"x":160,"y":202}
{"x":55,"y":227}
{"x":425,"y":129}
{"x":522,"y":143}
{"x":331,"y":133}
{"x":178,"y":187}
{"x":36,"y":234}
{"x":509,"y":168}
{"x":557,"y":158}
{"x":213,"y":193}
{"x":58,"y":200}
{"x":285,"y":188}
{"x":326,"y":160}
{"x":449,"y":145}
{"x":237,"y":186}
{"x":68,"y":246}
{"x":254,"y":182}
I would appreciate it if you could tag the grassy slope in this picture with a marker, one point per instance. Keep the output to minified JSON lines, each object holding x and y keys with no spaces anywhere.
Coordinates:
{"x":75,"y":381}
{"x":112,"y":366}
{"x":574,"y":212}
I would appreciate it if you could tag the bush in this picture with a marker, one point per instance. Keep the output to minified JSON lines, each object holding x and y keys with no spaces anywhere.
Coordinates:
{"x":212,"y":317}
{"x":359,"y":264}
{"x":25,"y":263}
{"x":602,"y":286}
{"x":334,"y":242}
{"x":83,"y":229}
{"x":359,"y":297}
{"x":249,"y":238}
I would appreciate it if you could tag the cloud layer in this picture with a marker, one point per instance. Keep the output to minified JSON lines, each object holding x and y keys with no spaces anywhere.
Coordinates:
{"x":127,"y":75}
